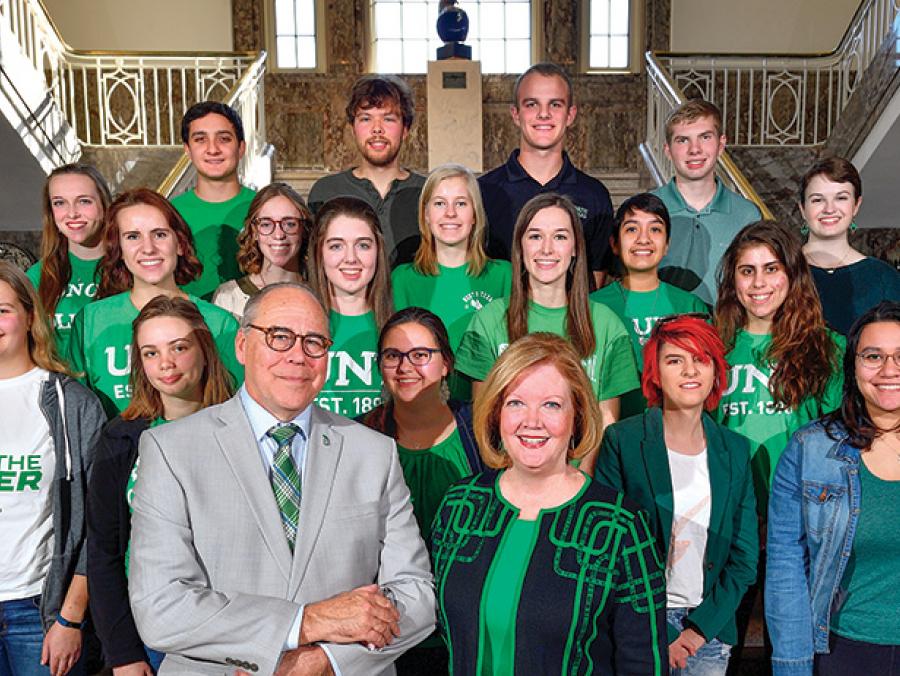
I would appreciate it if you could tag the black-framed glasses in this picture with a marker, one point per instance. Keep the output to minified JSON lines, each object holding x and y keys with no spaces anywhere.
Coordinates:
{"x":282,"y":339}
{"x":417,"y":356}
{"x":876,"y":360}
{"x":289,"y":225}
{"x":662,"y":321}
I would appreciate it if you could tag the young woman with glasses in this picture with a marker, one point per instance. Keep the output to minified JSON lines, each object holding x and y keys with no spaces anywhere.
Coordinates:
{"x":271,"y":246}
{"x":434,"y":436}
{"x":349,"y":271}
{"x":149,"y":252}
{"x":75,"y":201}
{"x":832,"y":598}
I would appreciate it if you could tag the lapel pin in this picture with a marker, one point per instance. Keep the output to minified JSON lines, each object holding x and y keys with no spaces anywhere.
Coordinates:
{"x":326,"y":441}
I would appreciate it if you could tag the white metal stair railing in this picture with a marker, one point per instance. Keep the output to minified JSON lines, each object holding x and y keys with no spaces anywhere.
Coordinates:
{"x":114,"y":99}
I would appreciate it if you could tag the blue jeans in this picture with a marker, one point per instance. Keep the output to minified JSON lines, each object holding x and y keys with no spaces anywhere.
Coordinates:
{"x":710,"y":660}
{"x":21,"y":639}
{"x":154,"y":658}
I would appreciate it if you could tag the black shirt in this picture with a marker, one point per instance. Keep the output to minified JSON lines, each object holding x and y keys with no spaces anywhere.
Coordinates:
{"x":506,"y":189}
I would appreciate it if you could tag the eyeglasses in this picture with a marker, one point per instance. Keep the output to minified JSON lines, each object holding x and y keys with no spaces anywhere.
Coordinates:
{"x":280,"y":339}
{"x":875,"y":360}
{"x":288,"y":225}
{"x":671,"y":318}
{"x":418,"y":356}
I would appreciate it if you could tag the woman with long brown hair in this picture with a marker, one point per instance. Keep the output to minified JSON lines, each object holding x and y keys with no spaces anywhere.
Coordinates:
{"x":49,"y":425}
{"x":550,"y":293}
{"x":149,"y":252}
{"x":348,"y":268}
{"x":785,"y":363}
{"x":271,"y":246}
{"x":176,"y":372}
{"x":75,"y":200}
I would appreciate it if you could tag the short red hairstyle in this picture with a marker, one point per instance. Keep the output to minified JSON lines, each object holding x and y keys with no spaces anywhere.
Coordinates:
{"x":697,"y":337}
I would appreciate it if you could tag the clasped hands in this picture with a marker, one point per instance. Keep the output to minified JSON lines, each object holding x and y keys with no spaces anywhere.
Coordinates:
{"x":362,"y":615}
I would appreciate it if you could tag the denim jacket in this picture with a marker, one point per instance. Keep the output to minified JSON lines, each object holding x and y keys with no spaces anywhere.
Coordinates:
{"x":813,"y":512}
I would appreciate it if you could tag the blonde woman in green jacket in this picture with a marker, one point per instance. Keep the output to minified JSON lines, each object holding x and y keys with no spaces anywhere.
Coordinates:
{"x":692,"y":476}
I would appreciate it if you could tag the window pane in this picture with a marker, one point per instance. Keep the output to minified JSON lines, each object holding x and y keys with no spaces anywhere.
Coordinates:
{"x":388,"y":20}
{"x":518,"y":20}
{"x":599,"y":52}
{"x":600,"y":17}
{"x":415,"y":25}
{"x":389,"y":54}
{"x":286,"y":51}
{"x":492,"y":56}
{"x":618,"y":52}
{"x":306,"y":52}
{"x":491,"y":21}
{"x":306,"y":17}
{"x":415,"y":56}
{"x":619,"y":17}
{"x":518,"y":56}
{"x":284,"y":18}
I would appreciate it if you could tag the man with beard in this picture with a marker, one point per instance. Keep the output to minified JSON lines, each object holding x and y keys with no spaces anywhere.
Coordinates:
{"x":380,"y":111}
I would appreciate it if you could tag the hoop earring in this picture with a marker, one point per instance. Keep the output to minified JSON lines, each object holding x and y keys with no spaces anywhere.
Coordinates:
{"x":853,"y":226}
{"x":804,"y":229}
{"x":445,"y":391}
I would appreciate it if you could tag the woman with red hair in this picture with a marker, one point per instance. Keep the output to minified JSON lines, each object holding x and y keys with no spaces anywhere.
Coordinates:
{"x":693,"y":478}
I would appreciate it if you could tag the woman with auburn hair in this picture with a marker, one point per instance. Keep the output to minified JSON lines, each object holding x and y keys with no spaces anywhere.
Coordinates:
{"x":271,"y":246}
{"x":848,"y":281}
{"x":75,"y":200}
{"x":177,"y":372}
{"x":693,"y":478}
{"x":451,"y":274}
{"x":785,"y":363}
{"x":539,"y":569}
{"x":349,"y":271}
{"x":149,"y":252}
{"x":434,"y":436}
{"x":49,"y":425}
{"x":832,"y":599}
{"x":550,"y":293}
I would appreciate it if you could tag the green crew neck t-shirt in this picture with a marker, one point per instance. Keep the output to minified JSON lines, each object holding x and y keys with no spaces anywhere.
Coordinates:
{"x":639,"y":312}
{"x":871,"y":611}
{"x":611,"y":368}
{"x":100,"y":346}
{"x":747,"y":405}
{"x":215,"y":226}
{"x":500,"y":598}
{"x":353,"y":384}
{"x":80,"y":290}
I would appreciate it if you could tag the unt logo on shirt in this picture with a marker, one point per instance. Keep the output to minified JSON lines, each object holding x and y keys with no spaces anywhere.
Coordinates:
{"x":20,"y":472}
{"x":751,"y":377}
{"x":118,"y":360}
{"x":346,"y":365}
{"x":476,"y":300}
{"x":87,"y":289}
{"x":643,"y":326}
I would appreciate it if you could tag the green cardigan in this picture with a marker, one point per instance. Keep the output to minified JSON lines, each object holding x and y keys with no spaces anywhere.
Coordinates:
{"x":633,"y":460}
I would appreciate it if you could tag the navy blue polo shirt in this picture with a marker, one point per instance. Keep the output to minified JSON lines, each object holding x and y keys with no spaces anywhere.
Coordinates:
{"x":506,"y":189}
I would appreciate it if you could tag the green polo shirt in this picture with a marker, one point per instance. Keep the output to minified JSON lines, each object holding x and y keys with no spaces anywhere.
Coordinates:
{"x":699,"y":238}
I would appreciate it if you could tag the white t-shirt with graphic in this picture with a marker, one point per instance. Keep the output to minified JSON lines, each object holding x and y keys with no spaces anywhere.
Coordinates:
{"x":692,"y":498}
{"x":27,"y":464}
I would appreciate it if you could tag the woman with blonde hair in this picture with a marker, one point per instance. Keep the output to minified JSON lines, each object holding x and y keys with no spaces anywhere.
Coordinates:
{"x":538,"y":568}
{"x":451,"y":274}
{"x":271,"y":246}
{"x":349,"y":271}
{"x":176,"y":372}
{"x":75,"y":201}
{"x":49,"y":425}
{"x":550,"y":293}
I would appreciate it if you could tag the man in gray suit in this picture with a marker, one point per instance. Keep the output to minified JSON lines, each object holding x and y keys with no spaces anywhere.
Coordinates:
{"x":269,"y":534}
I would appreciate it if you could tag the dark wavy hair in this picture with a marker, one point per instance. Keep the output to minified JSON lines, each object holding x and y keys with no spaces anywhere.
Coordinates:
{"x":56,"y":270}
{"x":115,"y":277}
{"x":802,"y":352}
{"x":853,"y":413}
{"x":579,"y":329}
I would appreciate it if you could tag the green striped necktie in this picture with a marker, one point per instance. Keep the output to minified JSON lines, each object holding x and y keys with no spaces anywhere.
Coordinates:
{"x":286,"y":478}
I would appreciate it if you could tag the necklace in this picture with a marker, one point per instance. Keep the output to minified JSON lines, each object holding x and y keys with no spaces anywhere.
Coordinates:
{"x":829,"y":270}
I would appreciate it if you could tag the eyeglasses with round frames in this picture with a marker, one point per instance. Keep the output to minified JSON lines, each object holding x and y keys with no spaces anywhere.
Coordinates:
{"x":875,"y":360}
{"x":417,"y":356}
{"x":281,"y":339}
{"x":289,"y":225}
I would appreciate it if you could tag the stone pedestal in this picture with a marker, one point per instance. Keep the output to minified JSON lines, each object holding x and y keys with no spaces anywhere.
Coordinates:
{"x":454,"y":114}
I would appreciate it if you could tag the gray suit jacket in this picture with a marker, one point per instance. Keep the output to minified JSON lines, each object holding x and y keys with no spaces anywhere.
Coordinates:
{"x":212,"y":581}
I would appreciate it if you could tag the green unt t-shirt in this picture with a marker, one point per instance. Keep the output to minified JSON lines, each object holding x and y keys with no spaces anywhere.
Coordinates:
{"x":452,"y":294}
{"x":80,"y":290}
{"x":639,"y":312}
{"x":610,"y":368}
{"x":747,"y":405}
{"x":215,"y":226}
{"x":100,"y":347}
{"x":353,"y":384}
